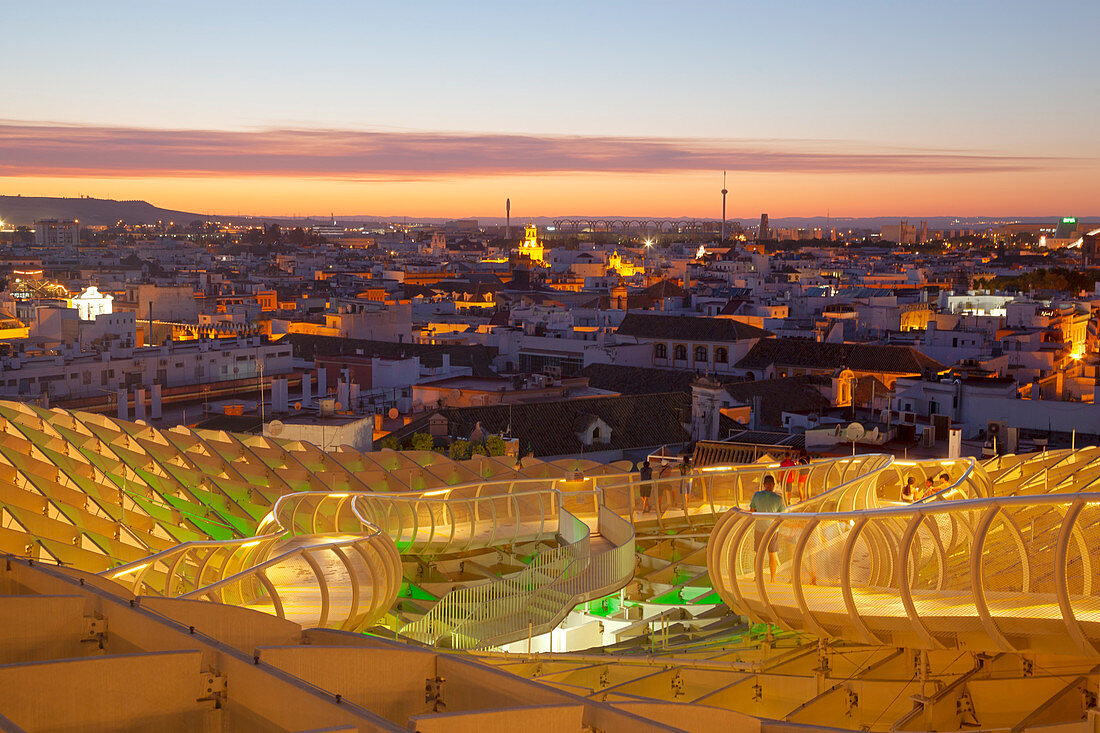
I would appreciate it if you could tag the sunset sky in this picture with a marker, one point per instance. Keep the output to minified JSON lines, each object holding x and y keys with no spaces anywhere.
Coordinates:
{"x":588,"y":108}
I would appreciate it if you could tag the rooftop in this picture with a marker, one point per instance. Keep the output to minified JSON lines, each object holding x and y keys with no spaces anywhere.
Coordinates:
{"x":790,"y":352}
{"x":688,"y":328}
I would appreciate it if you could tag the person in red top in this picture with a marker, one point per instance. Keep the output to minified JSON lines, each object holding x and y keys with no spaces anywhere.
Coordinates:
{"x":803,"y":476}
{"x":787,"y":478}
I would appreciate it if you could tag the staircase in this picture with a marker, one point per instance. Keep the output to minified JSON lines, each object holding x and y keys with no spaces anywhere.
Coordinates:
{"x":535,"y":600}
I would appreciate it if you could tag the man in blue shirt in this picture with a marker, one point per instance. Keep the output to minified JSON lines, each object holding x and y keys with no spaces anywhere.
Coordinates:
{"x":766,"y":500}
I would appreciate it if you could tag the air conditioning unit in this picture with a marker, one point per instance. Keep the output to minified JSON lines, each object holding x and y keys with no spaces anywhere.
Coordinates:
{"x":908,"y":418}
{"x":995,"y":435}
{"x":928,"y":437}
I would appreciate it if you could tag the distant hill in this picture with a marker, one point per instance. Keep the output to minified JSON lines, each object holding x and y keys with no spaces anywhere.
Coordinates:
{"x":23,"y":210}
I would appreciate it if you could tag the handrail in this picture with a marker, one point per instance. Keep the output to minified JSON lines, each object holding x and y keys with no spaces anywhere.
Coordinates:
{"x":235,"y":571}
{"x":538,"y":597}
{"x":308,"y":528}
{"x":965,"y":566}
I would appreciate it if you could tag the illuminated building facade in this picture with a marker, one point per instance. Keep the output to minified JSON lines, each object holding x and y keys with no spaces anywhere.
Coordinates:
{"x":622,"y":268}
{"x":531,"y":247}
{"x":91,"y":303}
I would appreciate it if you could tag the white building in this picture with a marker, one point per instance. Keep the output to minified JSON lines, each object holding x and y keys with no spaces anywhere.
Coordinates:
{"x":91,"y":303}
{"x":91,"y":374}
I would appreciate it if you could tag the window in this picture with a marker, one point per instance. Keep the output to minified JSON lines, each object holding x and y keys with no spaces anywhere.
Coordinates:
{"x":721,"y":355}
{"x":680,"y":352}
{"x":660,"y":351}
{"x":596,"y":433}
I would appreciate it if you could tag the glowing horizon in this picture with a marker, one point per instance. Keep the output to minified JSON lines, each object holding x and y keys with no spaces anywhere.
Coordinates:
{"x":576,"y":109}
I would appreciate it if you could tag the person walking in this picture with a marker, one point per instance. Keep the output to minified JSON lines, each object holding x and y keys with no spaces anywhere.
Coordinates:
{"x":767,"y":500}
{"x":787,"y":478}
{"x":803,"y":476}
{"x":645,"y":475}
{"x":664,"y":492}
{"x":685,"y":482}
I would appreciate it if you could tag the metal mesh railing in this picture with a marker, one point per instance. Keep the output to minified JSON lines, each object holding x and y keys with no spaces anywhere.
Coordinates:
{"x":331,"y":558}
{"x":313,"y":562}
{"x":536,"y":599}
{"x":964,"y":567}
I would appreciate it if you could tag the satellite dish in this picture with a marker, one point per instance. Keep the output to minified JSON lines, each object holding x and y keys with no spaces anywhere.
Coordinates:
{"x":141,"y":422}
{"x":275,"y":427}
{"x":338,"y":405}
{"x":393,"y":413}
{"x":854,"y":432}
{"x":297,"y":405}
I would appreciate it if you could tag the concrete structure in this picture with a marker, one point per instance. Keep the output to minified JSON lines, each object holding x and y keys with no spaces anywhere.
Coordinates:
{"x":327,"y":432}
{"x":257,"y":523}
{"x":57,"y":233}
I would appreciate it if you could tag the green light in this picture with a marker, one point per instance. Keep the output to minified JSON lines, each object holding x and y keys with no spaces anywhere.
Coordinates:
{"x":1069,"y":219}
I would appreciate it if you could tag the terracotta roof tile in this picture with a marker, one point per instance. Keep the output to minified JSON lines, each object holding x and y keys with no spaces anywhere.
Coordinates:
{"x":688,"y":328}
{"x":803,"y":353}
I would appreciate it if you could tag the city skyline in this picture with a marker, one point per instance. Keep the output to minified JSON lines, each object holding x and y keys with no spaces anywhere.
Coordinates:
{"x":859,"y":109}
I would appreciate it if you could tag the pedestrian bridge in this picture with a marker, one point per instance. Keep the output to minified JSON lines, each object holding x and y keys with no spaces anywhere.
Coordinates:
{"x":334,"y":558}
{"x":1000,"y":560}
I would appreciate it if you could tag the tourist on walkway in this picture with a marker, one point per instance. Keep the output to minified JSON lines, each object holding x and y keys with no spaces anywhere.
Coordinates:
{"x":787,"y":478}
{"x":767,"y":500}
{"x":664,"y":491}
{"x":645,"y":475}
{"x":685,"y":482}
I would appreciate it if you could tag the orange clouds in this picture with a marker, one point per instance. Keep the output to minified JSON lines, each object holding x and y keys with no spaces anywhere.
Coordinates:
{"x":85,"y":150}
{"x":287,"y":172}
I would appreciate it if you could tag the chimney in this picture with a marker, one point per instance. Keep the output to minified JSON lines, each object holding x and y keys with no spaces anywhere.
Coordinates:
{"x":307,"y":389}
{"x":437,"y":426}
{"x":123,"y":398}
{"x":139,"y":404}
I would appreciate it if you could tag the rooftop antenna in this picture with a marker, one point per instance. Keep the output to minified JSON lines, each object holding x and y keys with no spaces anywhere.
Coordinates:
{"x":724,"y":192}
